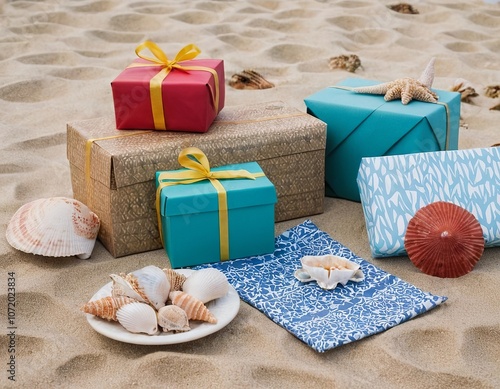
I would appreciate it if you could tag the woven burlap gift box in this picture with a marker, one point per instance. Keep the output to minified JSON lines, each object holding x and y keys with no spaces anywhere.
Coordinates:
{"x":115,"y":178}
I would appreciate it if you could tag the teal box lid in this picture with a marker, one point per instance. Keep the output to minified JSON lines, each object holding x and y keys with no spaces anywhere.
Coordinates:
{"x":202,"y":196}
{"x":365,"y":125}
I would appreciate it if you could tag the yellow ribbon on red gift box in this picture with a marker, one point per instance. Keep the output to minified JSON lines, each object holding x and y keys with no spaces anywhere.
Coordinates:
{"x":198,"y":169}
{"x":160,"y":59}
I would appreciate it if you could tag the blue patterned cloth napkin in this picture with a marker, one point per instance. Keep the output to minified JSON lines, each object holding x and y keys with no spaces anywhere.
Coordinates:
{"x":323,"y":319}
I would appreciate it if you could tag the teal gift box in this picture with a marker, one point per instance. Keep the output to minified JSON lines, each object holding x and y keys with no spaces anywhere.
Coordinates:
{"x":365,"y":125}
{"x":191,"y":225}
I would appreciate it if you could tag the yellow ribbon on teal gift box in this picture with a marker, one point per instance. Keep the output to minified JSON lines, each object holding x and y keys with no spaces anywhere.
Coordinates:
{"x":198,"y":169}
{"x":160,"y":59}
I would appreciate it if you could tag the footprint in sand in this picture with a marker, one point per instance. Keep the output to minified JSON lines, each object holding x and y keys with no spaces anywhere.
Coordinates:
{"x":41,"y":28}
{"x":152,"y":8}
{"x":32,"y":91}
{"x":134,"y":23}
{"x":93,"y":7}
{"x":53,"y":58}
{"x":39,"y":143}
{"x":290,"y":53}
{"x":462,"y":47}
{"x":196,"y":17}
{"x":238,"y":41}
{"x":281,"y":377}
{"x":77,"y":368}
{"x":153,"y":366}
{"x":371,"y":37}
{"x":279,"y":26}
{"x":98,"y":54}
{"x":349,"y":23}
{"x":83,"y":73}
{"x":481,"y":19}
{"x":9,"y":168}
{"x":54,"y":17}
{"x":115,"y":36}
{"x":480,"y":349}
{"x":422,"y":348}
{"x":353,"y":4}
{"x":493,"y":46}
{"x":298,"y":13}
{"x":468,"y":35}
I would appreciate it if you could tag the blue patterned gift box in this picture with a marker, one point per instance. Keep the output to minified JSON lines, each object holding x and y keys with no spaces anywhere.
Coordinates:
{"x":323,"y":319}
{"x":394,"y":188}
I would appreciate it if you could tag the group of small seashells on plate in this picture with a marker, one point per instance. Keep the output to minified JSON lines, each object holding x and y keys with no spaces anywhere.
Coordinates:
{"x":151,"y":297}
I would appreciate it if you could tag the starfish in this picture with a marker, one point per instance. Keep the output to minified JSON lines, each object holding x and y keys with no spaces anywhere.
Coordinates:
{"x":406,"y":89}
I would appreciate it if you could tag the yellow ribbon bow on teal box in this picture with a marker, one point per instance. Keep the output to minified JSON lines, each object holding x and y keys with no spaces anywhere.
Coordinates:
{"x":208,"y":214}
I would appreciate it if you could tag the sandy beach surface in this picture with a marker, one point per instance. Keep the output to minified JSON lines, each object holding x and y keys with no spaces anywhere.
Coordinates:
{"x":57,"y":60}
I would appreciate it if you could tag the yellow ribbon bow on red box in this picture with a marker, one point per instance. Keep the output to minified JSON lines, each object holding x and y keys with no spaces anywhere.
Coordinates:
{"x":188,"y":52}
{"x":198,"y":167}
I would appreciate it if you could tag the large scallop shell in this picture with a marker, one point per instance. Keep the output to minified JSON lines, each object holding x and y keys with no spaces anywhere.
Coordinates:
{"x":54,"y":227}
{"x":444,"y":240}
{"x":152,"y":284}
{"x":194,"y":308}
{"x":173,"y":318}
{"x":206,"y":284}
{"x":328,"y":271}
{"x":138,"y":317}
{"x":106,"y":307}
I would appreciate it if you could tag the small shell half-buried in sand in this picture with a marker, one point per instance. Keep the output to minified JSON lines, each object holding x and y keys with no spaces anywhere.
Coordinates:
{"x":249,"y":79}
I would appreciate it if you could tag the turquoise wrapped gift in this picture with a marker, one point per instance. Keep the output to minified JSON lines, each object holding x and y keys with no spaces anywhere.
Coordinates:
{"x":208,"y":215}
{"x":365,"y":125}
{"x":394,"y":188}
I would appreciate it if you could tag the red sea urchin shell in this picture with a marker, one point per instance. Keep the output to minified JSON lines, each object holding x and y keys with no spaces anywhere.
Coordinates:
{"x":444,"y":240}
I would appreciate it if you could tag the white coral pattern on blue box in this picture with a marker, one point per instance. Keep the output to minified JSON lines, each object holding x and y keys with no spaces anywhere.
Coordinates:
{"x":394,"y":188}
{"x":320,"y":318}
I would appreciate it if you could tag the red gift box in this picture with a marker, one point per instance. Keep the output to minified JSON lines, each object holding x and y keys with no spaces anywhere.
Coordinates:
{"x":183,"y":94}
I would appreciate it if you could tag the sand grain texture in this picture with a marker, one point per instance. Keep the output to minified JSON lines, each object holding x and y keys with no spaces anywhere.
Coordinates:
{"x":56,"y":64}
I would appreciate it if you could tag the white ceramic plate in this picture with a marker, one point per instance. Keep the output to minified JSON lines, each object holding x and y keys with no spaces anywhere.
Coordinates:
{"x":224,"y":309}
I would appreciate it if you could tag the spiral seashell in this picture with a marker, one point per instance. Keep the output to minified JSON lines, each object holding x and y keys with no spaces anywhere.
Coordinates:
{"x":194,"y":308}
{"x":176,"y":279}
{"x":106,"y":307}
{"x":151,"y":284}
{"x":173,"y":318}
{"x":427,"y":76}
{"x":138,"y":318}
{"x":54,"y":227}
{"x":206,"y":284}
{"x":444,"y":240}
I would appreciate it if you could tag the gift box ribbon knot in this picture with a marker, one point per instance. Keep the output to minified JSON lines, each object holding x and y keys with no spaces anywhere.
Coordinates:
{"x":447,"y":110}
{"x":161,"y":60}
{"x":198,"y":169}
